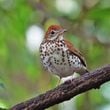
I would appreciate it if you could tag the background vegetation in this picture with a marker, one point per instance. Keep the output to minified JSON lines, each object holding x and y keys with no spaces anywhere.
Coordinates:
{"x":22,"y":26}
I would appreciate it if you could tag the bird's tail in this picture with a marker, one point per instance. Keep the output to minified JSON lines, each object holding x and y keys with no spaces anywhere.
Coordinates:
{"x":85,"y":70}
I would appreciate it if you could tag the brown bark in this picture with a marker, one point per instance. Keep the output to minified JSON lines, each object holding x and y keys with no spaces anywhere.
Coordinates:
{"x":67,"y":90}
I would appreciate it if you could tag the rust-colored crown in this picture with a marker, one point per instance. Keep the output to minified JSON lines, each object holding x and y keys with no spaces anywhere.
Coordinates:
{"x":52,"y":27}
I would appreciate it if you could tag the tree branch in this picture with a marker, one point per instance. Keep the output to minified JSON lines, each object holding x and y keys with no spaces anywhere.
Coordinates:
{"x":67,"y":90}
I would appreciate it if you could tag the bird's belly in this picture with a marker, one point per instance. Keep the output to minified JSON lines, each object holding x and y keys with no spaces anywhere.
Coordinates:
{"x":63,"y":65}
{"x":60,"y":62}
{"x":63,"y":70}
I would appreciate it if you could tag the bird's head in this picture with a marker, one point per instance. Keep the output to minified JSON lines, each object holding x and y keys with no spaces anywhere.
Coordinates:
{"x":55,"y":32}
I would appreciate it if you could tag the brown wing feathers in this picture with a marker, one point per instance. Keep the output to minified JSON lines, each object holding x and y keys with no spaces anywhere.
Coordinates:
{"x":76,"y":52}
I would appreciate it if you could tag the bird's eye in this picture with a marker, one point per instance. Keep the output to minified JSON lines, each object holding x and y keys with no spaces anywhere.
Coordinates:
{"x":52,"y":32}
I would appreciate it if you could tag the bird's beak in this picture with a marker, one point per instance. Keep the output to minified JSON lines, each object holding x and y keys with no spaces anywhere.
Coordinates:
{"x":62,"y":31}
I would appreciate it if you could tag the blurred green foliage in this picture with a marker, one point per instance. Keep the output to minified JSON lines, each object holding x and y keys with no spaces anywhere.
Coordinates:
{"x":21,"y":74}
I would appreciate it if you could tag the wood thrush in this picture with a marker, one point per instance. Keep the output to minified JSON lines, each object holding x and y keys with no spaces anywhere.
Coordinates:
{"x":58,"y":55}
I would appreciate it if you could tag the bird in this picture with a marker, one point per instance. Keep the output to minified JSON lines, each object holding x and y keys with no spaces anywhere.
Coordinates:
{"x":59,"y":56}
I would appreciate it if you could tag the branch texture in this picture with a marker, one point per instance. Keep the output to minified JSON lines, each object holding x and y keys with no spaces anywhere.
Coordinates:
{"x":67,"y":90}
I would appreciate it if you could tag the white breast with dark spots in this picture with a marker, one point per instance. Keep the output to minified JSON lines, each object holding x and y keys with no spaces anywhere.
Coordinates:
{"x":58,"y":59}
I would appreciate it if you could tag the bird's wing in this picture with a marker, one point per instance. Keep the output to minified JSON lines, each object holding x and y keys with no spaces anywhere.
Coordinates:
{"x":75,"y":52}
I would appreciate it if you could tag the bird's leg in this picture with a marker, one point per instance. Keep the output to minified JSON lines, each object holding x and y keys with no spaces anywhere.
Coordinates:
{"x":58,"y":83}
{"x":69,"y":79}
